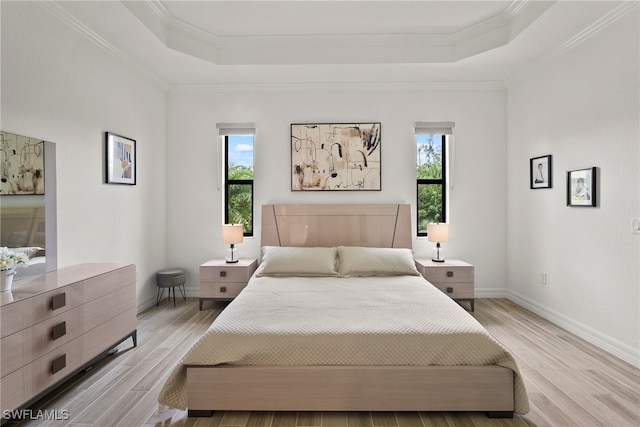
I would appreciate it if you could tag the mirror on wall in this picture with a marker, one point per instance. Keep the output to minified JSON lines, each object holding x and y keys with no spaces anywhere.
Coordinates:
{"x":28,"y":201}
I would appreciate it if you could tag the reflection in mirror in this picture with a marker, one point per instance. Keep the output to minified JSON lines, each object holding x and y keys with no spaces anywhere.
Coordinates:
{"x":28,"y":201}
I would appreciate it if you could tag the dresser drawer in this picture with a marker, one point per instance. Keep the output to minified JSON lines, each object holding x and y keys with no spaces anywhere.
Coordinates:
{"x":52,"y":303}
{"x":220,"y":290}
{"x":13,"y":317}
{"x":54,"y":366}
{"x":53,"y":333}
{"x":456,"y":290}
{"x":225,"y":274}
{"x":12,"y":389}
{"x":453,"y":274}
{"x":102,"y":309}
{"x":12,"y":352}
{"x":104,"y":284}
{"x":98,"y":340}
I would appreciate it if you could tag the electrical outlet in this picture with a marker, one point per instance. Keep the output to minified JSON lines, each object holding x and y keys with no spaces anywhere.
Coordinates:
{"x":543,"y":278}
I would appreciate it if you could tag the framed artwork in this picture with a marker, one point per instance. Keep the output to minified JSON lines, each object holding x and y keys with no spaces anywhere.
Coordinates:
{"x":581,"y":187}
{"x":21,"y":165}
{"x":540,"y":172}
{"x":335,"y":157}
{"x":120,"y":154}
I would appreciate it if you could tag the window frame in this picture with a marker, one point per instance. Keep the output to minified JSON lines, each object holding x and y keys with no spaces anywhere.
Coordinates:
{"x":228,"y":183}
{"x":442,"y":181}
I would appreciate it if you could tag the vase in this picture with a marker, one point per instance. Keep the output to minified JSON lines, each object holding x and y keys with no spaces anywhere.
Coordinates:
{"x":6,"y":279}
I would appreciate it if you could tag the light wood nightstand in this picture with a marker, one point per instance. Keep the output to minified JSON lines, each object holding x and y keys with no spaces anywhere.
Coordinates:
{"x":453,"y":277}
{"x":220,"y":280}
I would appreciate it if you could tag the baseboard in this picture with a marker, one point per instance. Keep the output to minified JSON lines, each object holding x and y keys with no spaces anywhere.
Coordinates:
{"x":192,"y":291}
{"x":150,"y":301}
{"x":146,"y":304}
{"x":491,"y":293}
{"x":600,"y":340}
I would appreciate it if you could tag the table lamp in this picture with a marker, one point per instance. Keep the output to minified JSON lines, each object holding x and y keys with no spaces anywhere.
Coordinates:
{"x":232,"y":234}
{"x":438,"y":233}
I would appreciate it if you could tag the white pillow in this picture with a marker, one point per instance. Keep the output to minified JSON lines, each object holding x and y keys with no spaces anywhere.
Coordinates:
{"x":362,"y":261}
{"x":29,"y":251}
{"x":297,"y":261}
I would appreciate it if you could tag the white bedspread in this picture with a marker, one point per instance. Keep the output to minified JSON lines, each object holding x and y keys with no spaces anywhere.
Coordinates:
{"x":371,"y":321}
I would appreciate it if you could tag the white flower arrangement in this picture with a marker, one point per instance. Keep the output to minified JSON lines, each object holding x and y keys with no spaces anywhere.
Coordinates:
{"x":11,"y":259}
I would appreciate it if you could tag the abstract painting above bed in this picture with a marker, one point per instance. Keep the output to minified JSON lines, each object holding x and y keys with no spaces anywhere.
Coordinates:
{"x":342,"y":156}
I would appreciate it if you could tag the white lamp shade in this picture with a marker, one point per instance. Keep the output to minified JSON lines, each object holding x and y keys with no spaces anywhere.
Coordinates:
{"x":232,"y":233}
{"x":438,"y":232}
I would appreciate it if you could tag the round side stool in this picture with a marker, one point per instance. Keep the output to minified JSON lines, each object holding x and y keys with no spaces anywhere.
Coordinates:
{"x":171,"y":278}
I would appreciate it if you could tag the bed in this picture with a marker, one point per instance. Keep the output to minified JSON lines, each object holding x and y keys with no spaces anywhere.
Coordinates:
{"x":337,"y":318}
{"x":22,"y":230}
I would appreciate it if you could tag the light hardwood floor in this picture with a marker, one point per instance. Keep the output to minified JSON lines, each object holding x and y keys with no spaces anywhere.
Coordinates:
{"x":570,"y":382}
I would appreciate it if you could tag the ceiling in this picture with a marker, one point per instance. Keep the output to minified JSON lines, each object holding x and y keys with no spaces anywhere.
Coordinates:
{"x":227,"y":43}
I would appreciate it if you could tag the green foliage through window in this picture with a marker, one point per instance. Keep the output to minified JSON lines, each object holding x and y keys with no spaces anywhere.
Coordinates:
{"x":239,"y":181}
{"x":430,"y":173}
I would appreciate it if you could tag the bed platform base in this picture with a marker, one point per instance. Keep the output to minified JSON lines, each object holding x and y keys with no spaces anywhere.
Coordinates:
{"x":348,"y":388}
{"x":209,"y":413}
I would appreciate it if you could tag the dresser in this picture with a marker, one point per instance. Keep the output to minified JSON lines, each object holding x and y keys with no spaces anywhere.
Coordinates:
{"x":220,"y":280}
{"x":453,"y":277}
{"x":54,"y":325}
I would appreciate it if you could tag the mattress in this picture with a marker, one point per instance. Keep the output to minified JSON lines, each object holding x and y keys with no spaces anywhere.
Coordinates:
{"x":368,"y":321}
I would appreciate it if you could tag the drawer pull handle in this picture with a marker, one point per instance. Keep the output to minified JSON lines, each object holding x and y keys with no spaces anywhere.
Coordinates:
{"x":58,"y":301}
{"x":223,"y":289}
{"x":449,"y":273}
{"x":449,"y":290}
{"x":59,"y":363}
{"x":223,"y":274}
{"x":59,"y":330}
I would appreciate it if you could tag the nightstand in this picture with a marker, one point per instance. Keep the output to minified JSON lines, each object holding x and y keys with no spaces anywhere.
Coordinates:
{"x":453,"y":277}
{"x":220,"y":280}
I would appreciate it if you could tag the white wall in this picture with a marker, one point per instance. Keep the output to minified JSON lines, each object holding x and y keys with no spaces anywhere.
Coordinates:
{"x":582,"y":107}
{"x":478,"y":197}
{"x":58,"y":86}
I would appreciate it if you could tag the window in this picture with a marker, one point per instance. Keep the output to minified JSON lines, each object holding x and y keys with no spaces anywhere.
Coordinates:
{"x":238,"y":176}
{"x":431,"y":173}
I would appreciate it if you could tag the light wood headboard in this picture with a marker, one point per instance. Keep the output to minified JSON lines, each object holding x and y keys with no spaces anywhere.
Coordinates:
{"x":372,"y":225}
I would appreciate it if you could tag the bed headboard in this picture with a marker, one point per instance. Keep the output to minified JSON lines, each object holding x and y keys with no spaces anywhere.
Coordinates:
{"x":372,"y":225}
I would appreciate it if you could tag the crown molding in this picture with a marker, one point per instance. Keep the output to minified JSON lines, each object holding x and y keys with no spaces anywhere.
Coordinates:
{"x":614,"y":15}
{"x":502,"y":28}
{"x":426,"y":47}
{"x":596,"y":27}
{"x":340,"y":87}
{"x":72,"y":22}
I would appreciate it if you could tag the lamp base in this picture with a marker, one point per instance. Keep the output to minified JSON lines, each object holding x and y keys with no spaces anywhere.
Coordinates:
{"x":439,"y":254}
{"x":231,"y":255}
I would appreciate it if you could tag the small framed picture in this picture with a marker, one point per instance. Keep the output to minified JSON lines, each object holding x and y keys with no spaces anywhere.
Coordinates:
{"x":581,"y":187}
{"x":540,"y":172}
{"x":120,"y":154}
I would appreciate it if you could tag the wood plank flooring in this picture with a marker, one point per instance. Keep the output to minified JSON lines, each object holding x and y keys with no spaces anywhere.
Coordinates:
{"x":570,"y":382}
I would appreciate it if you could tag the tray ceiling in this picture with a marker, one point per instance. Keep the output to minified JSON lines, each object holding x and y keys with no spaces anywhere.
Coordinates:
{"x":243,"y":43}
{"x":325,"y":32}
